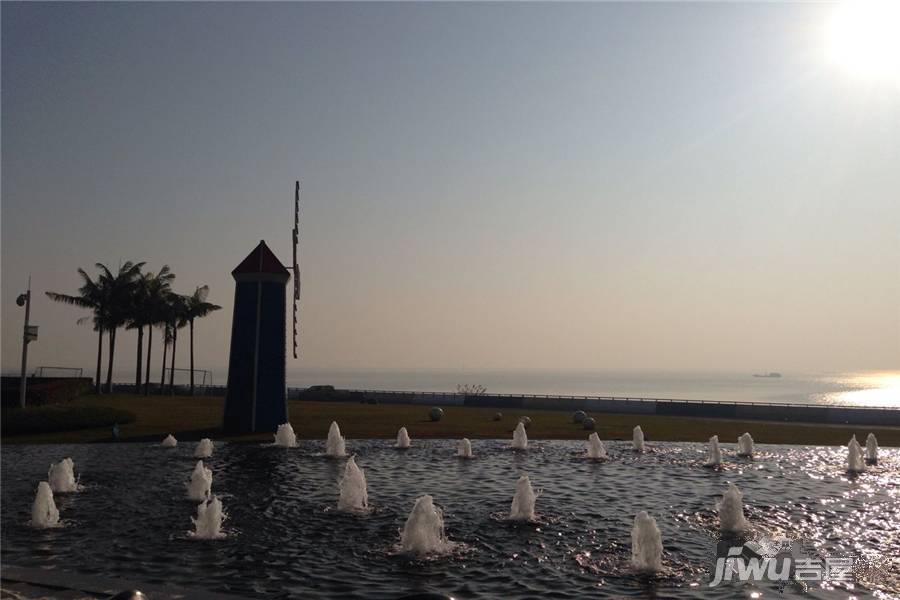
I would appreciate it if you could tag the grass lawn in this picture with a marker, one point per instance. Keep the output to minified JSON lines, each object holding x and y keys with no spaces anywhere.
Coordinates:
{"x":192,"y":418}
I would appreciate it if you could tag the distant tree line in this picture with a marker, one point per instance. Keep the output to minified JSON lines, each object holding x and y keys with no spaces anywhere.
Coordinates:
{"x":134,"y":299}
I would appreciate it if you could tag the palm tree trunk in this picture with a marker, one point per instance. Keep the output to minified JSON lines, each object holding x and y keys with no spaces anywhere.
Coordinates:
{"x":99,"y":359}
{"x":112,"y":356}
{"x":192,"y":357}
{"x":149,"y":354}
{"x":162,"y":378}
{"x":172,"y":369}
{"x":140,"y":362}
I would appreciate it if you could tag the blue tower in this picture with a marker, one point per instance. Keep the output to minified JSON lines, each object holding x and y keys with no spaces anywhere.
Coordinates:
{"x":256,"y":400}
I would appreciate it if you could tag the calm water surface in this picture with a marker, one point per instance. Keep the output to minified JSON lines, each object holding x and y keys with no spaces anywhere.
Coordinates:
{"x":285,"y":539}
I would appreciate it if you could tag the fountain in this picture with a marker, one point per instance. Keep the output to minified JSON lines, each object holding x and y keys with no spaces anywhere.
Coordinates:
{"x":201,"y":482}
{"x":637,"y":439}
{"x":872,"y":449}
{"x":208,"y":524}
{"x":855,"y":462}
{"x":423,"y":532}
{"x":522,"y":508}
{"x":354,"y":497}
{"x":61,"y":476}
{"x":335,"y":446}
{"x":464,"y":449}
{"x":169,"y":442}
{"x":745,"y":446}
{"x":402,"y":439}
{"x":204,"y":448}
{"x":285,"y":436}
{"x":44,"y":513}
{"x":731,"y":511}
{"x":595,"y":448}
{"x":646,"y":544}
{"x":520,"y":438}
{"x":714,"y":458}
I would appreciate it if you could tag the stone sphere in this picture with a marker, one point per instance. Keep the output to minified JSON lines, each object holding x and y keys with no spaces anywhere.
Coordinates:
{"x":436,"y":413}
{"x":588,"y":423}
{"x":526,"y":421}
{"x":579,"y":416}
{"x":498,"y":416}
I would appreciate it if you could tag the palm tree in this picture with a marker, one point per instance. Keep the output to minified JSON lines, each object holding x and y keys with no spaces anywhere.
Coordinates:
{"x":178,"y":319}
{"x":196,"y":307}
{"x":137,"y":318}
{"x":120,"y":292}
{"x":92,"y":295}
{"x":150,"y":297}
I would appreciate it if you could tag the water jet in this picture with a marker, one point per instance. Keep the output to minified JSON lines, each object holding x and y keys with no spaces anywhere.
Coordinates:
{"x":285,"y":436}
{"x":646,"y":544}
{"x":423,"y":532}
{"x":354,"y":495}
{"x":44,"y":513}
{"x":335,"y":446}
{"x":520,"y":438}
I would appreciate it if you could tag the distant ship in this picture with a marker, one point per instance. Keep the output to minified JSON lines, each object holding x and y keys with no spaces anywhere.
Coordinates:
{"x":773,"y":374}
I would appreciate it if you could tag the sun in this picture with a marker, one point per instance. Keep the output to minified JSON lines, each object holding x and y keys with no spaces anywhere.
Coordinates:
{"x":863,"y":37}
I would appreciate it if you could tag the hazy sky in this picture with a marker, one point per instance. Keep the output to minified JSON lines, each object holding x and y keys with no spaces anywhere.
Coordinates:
{"x":655,"y":185}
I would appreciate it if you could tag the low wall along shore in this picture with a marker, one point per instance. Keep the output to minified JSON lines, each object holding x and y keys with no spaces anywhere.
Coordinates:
{"x":795,"y":413}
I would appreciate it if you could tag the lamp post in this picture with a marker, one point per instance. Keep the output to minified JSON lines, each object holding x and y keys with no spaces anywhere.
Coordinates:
{"x":29,"y":334}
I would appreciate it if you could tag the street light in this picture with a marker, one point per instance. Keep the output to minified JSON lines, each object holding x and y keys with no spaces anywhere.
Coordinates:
{"x":29,"y":334}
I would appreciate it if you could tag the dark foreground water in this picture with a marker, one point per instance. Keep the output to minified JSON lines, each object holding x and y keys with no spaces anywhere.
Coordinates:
{"x":285,"y":539}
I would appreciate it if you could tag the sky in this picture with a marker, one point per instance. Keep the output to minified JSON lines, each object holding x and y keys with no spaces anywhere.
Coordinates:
{"x":483,"y":186}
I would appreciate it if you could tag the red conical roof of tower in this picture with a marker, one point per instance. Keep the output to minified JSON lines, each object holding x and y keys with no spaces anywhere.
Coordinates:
{"x":261,"y":260}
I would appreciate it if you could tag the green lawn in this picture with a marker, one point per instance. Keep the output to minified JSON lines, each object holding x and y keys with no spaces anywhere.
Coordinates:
{"x":192,"y":418}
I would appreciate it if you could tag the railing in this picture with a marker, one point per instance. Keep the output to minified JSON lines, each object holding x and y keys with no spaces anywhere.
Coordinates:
{"x":617,"y":398}
{"x":39,"y":372}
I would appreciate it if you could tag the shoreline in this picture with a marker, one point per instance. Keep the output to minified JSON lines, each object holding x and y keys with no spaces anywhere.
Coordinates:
{"x":192,"y":418}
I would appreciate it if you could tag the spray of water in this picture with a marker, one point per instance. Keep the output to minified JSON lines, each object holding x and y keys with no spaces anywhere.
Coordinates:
{"x":336,"y":446}
{"x":745,"y":445}
{"x":522,"y":508}
{"x":204,"y":449}
{"x":855,"y":462}
{"x":595,"y":448}
{"x":169,"y":441}
{"x":285,"y":436}
{"x":61,"y":476}
{"x":402,"y":439}
{"x":209,"y":519}
{"x":201,"y":482}
{"x":646,"y":544}
{"x":637,"y":439}
{"x":872,"y":449}
{"x":44,"y":513}
{"x":354,"y":495}
{"x":731,"y":511}
{"x":520,"y":438}
{"x":423,"y":532}
{"x":464,"y":449}
{"x":714,"y":458}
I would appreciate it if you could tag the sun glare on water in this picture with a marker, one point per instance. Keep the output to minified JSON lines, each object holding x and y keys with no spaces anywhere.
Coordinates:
{"x":868,"y":389}
{"x":863,"y":37}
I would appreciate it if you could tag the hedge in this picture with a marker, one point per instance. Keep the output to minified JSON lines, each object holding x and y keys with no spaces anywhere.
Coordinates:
{"x":47,"y":419}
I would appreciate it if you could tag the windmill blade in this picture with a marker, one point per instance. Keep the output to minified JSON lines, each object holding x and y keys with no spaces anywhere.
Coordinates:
{"x":296,"y":266}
